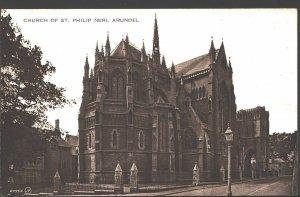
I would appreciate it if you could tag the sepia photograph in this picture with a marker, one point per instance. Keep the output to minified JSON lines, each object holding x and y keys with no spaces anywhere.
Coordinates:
{"x":148,"y":102}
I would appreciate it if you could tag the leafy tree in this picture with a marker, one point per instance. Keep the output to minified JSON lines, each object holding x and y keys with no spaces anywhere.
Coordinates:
{"x":25,"y":92}
{"x":282,"y":145}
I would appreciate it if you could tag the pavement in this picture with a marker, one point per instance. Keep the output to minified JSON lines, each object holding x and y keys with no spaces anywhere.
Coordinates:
{"x":258,"y":187}
{"x":279,"y":186}
{"x":263,"y":187}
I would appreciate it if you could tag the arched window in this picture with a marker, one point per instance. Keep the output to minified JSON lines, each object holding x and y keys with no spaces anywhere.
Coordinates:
{"x":90,"y":140}
{"x":120,"y":88}
{"x":141,"y":140}
{"x":172,"y":143}
{"x":114,"y":139}
{"x":209,"y":105}
{"x":138,"y":90}
{"x":203,"y":91}
{"x":196,"y":94}
{"x":114,"y":87}
{"x":163,"y":129}
{"x":117,"y":86}
{"x":200,"y":93}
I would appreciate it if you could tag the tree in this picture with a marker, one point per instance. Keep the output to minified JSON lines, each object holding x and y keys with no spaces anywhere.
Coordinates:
{"x":25,"y":92}
{"x":26,"y":95}
{"x":282,"y":145}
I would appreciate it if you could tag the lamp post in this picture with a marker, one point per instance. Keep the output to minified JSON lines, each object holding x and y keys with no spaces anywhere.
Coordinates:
{"x":229,"y":139}
{"x":253,"y":163}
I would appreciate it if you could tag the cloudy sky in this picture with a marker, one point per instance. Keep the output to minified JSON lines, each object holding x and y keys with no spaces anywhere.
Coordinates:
{"x":262,"y":44}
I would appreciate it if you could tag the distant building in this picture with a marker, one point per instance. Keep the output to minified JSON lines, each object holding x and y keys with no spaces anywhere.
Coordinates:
{"x":73,"y":142}
{"x":136,"y":109}
{"x":252,"y":127}
{"x":59,"y":156}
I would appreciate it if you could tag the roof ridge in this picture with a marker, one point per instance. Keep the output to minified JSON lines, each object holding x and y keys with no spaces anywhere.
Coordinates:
{"x":191,"y":59}
{"x":195,"y":58}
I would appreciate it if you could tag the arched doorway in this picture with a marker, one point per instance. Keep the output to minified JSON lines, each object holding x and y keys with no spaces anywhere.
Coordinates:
{"x":247,"y":163}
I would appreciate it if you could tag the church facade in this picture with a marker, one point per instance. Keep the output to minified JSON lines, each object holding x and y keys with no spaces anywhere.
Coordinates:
{"x":166,"y":120}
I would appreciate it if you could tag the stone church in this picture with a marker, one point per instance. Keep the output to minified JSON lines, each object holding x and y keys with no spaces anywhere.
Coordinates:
{"x":136,"y":109}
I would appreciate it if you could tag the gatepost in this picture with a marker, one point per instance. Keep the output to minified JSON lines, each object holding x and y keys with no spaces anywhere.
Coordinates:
{"x":56,"y":182}
{"x":118,"y":189}
{"x":133,"y":178}
{"x":196,"y":175}
{"x":222,"y":174}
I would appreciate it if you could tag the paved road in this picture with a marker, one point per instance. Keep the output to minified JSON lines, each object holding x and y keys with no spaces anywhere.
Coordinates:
{"x":279,"y":186}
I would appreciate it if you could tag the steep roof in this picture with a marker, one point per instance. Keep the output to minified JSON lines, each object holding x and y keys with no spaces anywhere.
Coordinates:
{"x":194,"y":65}
{"x":134,"y":53}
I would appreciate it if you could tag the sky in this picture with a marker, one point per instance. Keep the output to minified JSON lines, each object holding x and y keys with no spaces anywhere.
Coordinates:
{"x":262,"y":45}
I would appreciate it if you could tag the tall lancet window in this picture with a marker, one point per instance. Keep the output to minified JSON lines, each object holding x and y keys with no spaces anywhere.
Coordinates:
{"x":120,"y":88}
{"x":196,"y":94}
{"x":141,"y":140}
{"x":117,"y":86}
{"x":114,"y":136}
{"x":138,"y":87}
{"x":114,"y":94}
{"x":163,"y":131}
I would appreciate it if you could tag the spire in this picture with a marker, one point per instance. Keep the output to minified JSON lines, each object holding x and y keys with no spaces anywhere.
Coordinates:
{"x":127,"y":39}
{"x":155,"y":37}
{"x":143,"y":48}
{"x":163,"y":62}
{"x":102,"y":49}
{"x":212,"y":47}
{"x":97,"y":49}
{"x":143,"y":55}
{"x":222,"y":45}
{"x":127,"y":48}
{"x":155,"y":52}
{"x":173,"y":70}
{"x":96,"y":53}
{"x":107,"y":46}
{"x":212,"y":51}
{"x":86,"y":68}
{"x":92,"y":73}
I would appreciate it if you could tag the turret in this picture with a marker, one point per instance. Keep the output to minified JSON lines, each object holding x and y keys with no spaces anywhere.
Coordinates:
{"x":107,"y":46}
